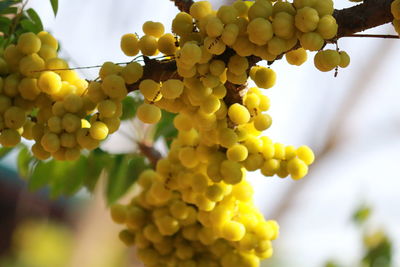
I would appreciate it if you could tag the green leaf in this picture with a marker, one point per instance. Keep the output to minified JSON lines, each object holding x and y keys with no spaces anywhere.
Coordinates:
{"x":74,"y":176}
{"x":331,"y":264}
{"x":129,"y":107}
{"x":362,"y":214}
{"x":62,"y":177}
{"x":379,"y":251}
{"x":41,"y":175}
{"x":165,"y":128}
{"x":29,"y":26}
{"x":2,"y":42}
{"x":35,"y":18}
{"x":24,"y":160}
{"x":122,"y":174}
{"x":97,"y":161}
{"x":6,"y":4}
{"x":54,"y":6}
{"x":9,"y":10}
{"x":5,"y":24}
{"x":4,"y":151}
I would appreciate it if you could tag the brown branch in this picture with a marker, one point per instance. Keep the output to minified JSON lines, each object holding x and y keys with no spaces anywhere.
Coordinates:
{"x":369,"y":14}
{"x":382,"y":36}
{"x":157,"y":70}
{"x":183,"y":5}
{"x":150,"y":153}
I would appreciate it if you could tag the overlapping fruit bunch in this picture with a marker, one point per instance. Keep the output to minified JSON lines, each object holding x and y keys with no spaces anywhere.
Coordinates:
{"x":196,"y":208}
{"x":41,"y":99}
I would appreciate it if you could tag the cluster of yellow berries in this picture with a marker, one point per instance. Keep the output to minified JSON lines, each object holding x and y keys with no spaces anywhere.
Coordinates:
{"x":329,"y":59}
{"x":42,"y":100}
{"x":181,"y":218}
{"x":196,"y":208}
{"x":395,"y":10}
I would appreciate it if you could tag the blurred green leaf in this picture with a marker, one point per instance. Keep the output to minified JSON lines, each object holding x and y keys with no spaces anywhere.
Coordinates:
{"x":2,"y":42}
{"x":97,"y":160}
{"x":24,"y":160}
{"x":331,"y":264}
{"x":6,"y":4}
{"x":122,"y":174}
{"x":5,"y":24}
{"x":54,"y":6}
{"x":129,"y":107}
{"x":74,"y":174}
{"x":41,"y":174}
{"x":380,"y":254}
{"x":35,"y":19}
{"x":62,"y":177}
{"x":165,"y":128}
{"x":362,"y":214}
{"x":4,"y":151}
{"x":29,"y":26}
{"x":9,"y":10}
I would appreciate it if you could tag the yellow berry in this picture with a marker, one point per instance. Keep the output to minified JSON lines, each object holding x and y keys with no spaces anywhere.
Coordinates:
{"x":130,"y":44}
{"x":233,"y":231}
{"x":238,"y":114}
{"x":297,"y":168}
{"x":230,"y":33}
{"x":9,"y":137}
{"x":265,"y":77}
{"x":395,"y":9}
{"x":182,"y":23}
{"x":260,"y":31}
{"x":260,"y":9}
{"x":48,"y":39}
{"x":311,"y":41}
{"x":306,"y":19}
{"x":200,"y":9}
{"x":49,"y":82}
{"x":148,"y":113}
{"x":296,"y":57}
{"x":31,"y":65}
{"x":155,"y":29}
{"x":114,"y":86}
{"x":132,"y":72}
{"x":214,"y":27}
{"x":28,"y":43}
{"x":237,"y":152}
{"x":150,"y":90}
{"x":148,"y":45}
{"x":166,"y":44}
{"x":98,"y":130}
{"x":305,"y":154}
{"x":327,"y":60}
{"x":324,"y":7}
{"x":283,"y":25}
{"x":344,"y":59}
{"x":327,"y":27}
{"x":227,"y":14}
{"x":262,"y":122}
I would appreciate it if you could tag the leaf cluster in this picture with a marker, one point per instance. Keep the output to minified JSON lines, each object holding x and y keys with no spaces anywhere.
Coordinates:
{"x":15,"y":20}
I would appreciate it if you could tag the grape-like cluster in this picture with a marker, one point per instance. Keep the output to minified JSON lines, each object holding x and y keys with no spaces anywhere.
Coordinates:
{"x":196,"y":208}
{"x":182,"y":218}
{"x":41,"y":99}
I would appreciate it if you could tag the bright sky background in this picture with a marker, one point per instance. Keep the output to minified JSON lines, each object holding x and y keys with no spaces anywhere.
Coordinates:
{"x":363,"y":167}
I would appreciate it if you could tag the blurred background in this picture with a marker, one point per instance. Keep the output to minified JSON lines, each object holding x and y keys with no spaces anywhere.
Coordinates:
{"x":352,"y":122}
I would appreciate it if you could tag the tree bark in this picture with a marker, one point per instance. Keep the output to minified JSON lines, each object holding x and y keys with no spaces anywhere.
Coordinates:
{"x":369,"y":14}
